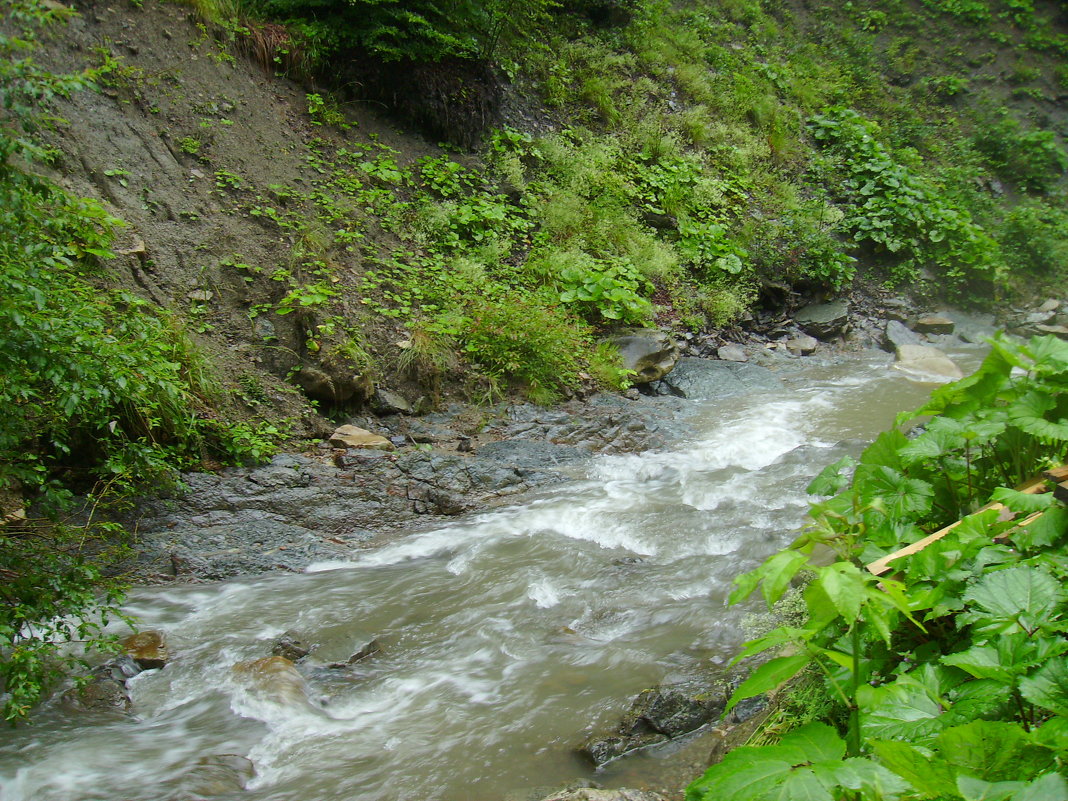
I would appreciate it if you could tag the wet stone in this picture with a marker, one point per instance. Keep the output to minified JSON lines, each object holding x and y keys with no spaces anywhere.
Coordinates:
{"x":291,"y":646}
{"x":148,"y":649}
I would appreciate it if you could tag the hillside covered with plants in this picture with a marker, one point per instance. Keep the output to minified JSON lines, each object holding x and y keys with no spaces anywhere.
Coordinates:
{"x":461,"y":199}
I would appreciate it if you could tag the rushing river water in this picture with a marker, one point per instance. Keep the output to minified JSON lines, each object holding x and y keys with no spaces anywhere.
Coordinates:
{"x":508,"y":636}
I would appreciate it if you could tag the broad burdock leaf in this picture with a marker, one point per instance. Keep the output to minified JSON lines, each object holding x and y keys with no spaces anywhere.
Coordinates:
{"x":929,"y":776}
{"x":972,"y":789}
{"x":1050,"y":355}
{"x":1047,"y":687}
{"x":903,"y":709}
{"x":1015,"y":596}
{"x":1047,"y":530}
{"x":901,"y":497}
{"x":1051,"y":787}
{"x":994,"y":751}
{"x":973,"y":700}
{"x":1022,"y":501}
{"x":1030,"y":414}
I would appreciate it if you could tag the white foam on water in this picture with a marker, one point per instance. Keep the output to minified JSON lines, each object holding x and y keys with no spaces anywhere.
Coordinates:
{"x":543,"y":593}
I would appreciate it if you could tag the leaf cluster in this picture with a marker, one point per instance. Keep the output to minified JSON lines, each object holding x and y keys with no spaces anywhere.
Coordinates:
{"x":952,"y":669}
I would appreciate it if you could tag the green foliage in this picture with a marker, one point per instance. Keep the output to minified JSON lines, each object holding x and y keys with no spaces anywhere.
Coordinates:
{"x":102,"y":393}
{"x":952,"y":672}
{"x":895,"y":210}
{"x":525,"y":342}
{"x":1034,"y":236}
{"x":605,"y":289}
{"x":1033,"y":159}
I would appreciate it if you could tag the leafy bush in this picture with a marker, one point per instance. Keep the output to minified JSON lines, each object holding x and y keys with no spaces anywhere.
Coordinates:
{"x":1033,"y":159}
{"x":952,"y":672}
{"x":895,"y":210}
{"x":1035,"y":238}
{"x":519,"y":340}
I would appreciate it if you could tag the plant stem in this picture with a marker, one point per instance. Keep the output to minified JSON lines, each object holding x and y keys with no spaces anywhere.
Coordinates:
{"x":853,"y":739}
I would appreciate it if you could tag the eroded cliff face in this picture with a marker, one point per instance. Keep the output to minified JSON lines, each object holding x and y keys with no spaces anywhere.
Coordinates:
{"x":210,"y":159}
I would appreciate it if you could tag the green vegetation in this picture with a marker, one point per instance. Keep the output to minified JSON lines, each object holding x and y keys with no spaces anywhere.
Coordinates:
{"x":948,"y":678}
{"x":101,"y":391}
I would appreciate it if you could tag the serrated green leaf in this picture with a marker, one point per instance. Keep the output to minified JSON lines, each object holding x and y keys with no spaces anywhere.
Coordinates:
{"x":833,"y":478}
{"x":1047,"y":687}
{"x":801,"y":784}
{"x":1051,"y":787}
{"x":1047,"y":530}
{"x":929,"y":776}
{"x":769,"y":676}
{"x":901,"y":497}
{"x":845,"y":586}
{"x":778,"y":572}
{"x":743,"y":775}
{"x":814,"y":742}
{"x":972,"y":789}
{"x":874,"y":780}
{"x":904,"y":708}
{"x":1023,"y":502}
{"x":1023,"y":595}
{"x":994,"y":751}
{"x":1029,"y":414}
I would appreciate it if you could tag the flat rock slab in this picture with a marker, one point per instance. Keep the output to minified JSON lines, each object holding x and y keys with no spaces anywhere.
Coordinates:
{"x":356,"y":437}
{"x":934,"y":324}
{"x":710,"y":379}
{"x":824,"y":320}
{"x":927,"y":364}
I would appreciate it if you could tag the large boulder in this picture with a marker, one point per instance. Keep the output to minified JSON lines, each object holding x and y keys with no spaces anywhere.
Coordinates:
{"x":928,"y":364}
{"x":148,"y":649}
{"x":934,"y":324}
{"x":824,"y":320}
{"x":212,"y":776}
{"x":709,"y":379}
{"x":650,"y":353}
{"x":356,"y":437}
{"x":275,"y":678}
{"x":897,"y":334}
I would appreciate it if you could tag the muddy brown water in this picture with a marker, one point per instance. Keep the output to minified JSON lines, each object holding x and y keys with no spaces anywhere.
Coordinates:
{"x":508,"y":636}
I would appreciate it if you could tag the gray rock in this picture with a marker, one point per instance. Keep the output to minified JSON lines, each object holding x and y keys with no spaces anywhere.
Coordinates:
{"x":707,"y":379}
{"x":732,"y":353}
{"x":650,"y":353}
{"x":386,"y":401}
{"x":933,"y":324}
{"x":926,"y":363}
{"x":802,"y":345}
{"x":291,"y":646}
{"x":525,"y":453}
{"x":896,"y":334}
{"x":101,"y":694}
{"x":1059,"y":331}
{"x":824,"y":320}
{"x":1050,"y":305}
{"x":216,"y":775}
{"x":655,"y":716}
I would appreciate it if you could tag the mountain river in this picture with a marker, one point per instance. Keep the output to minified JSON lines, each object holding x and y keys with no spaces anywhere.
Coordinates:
{"x":508,"y":636}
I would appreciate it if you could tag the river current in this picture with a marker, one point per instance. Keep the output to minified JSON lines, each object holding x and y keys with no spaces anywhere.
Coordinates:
{"x":508,"y":636}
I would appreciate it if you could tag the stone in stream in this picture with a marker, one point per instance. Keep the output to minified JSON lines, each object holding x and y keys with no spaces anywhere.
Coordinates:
{"x":802,"y":345}
{"x":276,"y":678}
{"x":824,"y":320}
{"x":732,"y":353}
{"x":590,"y":794}
{"x":897,"y":334}
{"x":291,"y":646}
{"x":215,"y":775}
{"x":710,"y":379}
{"x":101,"y":694}
{"x":927,"y":363}
{"x":650,"y":353}
{"x":148,"y":649}
{"x":656,"y":716}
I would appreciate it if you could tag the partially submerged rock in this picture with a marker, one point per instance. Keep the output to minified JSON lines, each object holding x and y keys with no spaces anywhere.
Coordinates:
{"x":934,"y":324}
{"x":148,"y":649}
{"x":927,"y":363}
{"x":897,"y":334}
{"x":274,"y":677}
{"x":650,"y":353}
{"x":291,"y":646}
{"x":215,"y":775}
{"x":656,"y":716}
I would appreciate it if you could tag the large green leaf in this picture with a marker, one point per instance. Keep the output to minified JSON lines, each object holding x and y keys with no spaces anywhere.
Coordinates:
{"x":973,"y":700}
{"x":743,"y":775}
{"x":845,"y":586}
{"x":972,"y":789}
{"x":903,"y":709}
{"x":871,"y":778}
{"x":833,"y":478}
{"x":1022,"y":501}
{"x":1047,"y":530}
{"x":1031,"y":414}
{"x":1023,"y":595}
{"x":803,"y":784}
{"x":900,"y":496}
{"x":929,"y":776}
{"x":769,"y":676}
{"x":1047,"y":687}
{"x":994,"y":751}
{"x":1051,"y":787}
{"x":778,"y":572}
